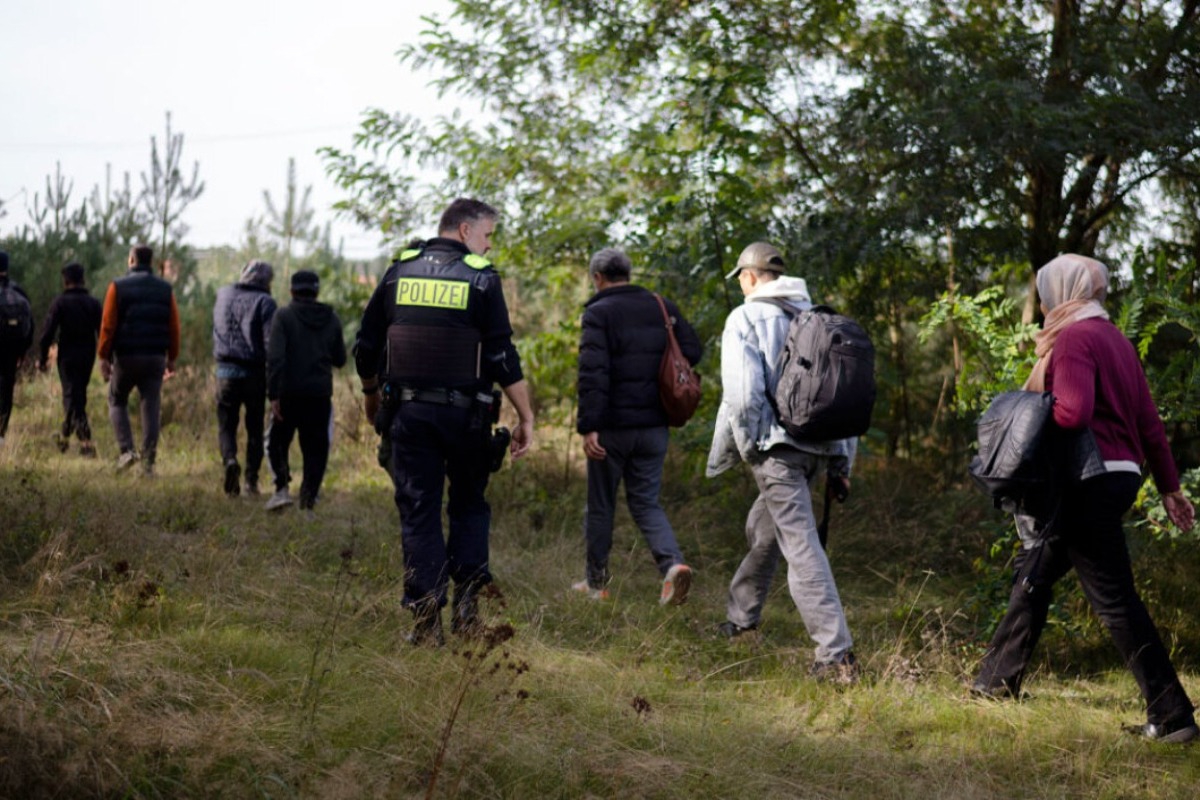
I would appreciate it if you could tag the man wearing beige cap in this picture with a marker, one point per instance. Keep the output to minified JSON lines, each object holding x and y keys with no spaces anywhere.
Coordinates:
{"x":781,"y":521}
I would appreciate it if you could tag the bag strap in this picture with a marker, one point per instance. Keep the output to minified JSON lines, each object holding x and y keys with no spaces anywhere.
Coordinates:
{"x":666,"y":317}
{"x":823,"y":526}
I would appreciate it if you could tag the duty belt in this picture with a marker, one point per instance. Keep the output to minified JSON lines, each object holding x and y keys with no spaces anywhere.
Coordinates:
{"x":444,"y":397}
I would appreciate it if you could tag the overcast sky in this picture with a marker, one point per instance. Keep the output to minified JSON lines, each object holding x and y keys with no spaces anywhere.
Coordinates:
{"x":249,"y":83}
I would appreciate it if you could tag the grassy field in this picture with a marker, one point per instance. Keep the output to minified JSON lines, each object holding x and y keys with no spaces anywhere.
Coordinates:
{"x":159,"y":640}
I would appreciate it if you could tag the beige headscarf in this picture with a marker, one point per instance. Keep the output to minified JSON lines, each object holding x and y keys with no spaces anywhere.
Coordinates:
{"x":1071,"y":289}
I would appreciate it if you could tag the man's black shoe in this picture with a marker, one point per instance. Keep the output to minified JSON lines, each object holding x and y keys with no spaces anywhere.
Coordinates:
{"x":731,"y":630}
{"x":1001,"y":691}
{"x":1177,"y":731}
{"x":427,"y":630}
{"x":233,"y":474}
{"x":464,"y":620}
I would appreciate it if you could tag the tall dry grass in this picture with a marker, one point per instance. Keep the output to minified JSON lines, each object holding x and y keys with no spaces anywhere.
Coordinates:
{"x":158,"y":639}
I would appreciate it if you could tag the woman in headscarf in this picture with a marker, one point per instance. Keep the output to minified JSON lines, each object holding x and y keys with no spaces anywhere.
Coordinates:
{"x":1098,"y":384}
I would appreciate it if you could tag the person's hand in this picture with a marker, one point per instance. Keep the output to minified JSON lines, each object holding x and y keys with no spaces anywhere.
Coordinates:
{"x":522,"y":439}
{"x":592,"y":447}
{"x":1179,"y":510}
{"x":839,"y":486}
{"x":106,"y":370}
{"x":276,"y":414}
{"x":170,"y":370}
{"x":371,"y":406}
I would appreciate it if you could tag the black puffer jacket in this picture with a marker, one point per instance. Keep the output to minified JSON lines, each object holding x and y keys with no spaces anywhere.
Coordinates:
{"x":619,"y":354}
{"x":305,"y":347}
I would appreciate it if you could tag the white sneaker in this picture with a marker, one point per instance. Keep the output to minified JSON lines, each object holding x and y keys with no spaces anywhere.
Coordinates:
{"x":675,"y":585}
{"x":592,"y":594}
{"x":127,"y":460}
{"x":280,"y":500}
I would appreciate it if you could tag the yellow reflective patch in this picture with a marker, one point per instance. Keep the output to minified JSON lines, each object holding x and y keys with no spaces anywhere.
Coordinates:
{"x":432,"y":293}
{"x":476,"y":261}
{"x":409,"y":255}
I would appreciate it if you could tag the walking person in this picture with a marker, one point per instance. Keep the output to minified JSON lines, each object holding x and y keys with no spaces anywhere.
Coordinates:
{"x":242,"y":319}
{"x":1098,"y":384}
{"x":435,"y":337}
{"x":74,"y":320}
{"x":16,"y":336}
{"x":781,"y":521}
{"x":622,"y":421}
{"x":304,"y":348}
{"x":138,"y":346}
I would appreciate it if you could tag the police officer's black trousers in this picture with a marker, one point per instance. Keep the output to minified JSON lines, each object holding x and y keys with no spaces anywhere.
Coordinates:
{"x":430,"y":445}
{"x":1091,"y":540}
{"x":74,"y":372}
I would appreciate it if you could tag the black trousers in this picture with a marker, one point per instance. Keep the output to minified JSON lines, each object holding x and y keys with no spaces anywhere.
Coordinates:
{"x":74,"y":373}
{"x":232,"y":395}
{"x":308,"y":417}
{"x":8,"y":382}
{"x":1091,"y":540}
{"x":432,"y":445}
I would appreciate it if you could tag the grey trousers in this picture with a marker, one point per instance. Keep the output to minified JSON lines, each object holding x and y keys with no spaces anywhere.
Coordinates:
{"x":144,"y":373}
{"x":781,"y":522}
{"x":635,"y":455}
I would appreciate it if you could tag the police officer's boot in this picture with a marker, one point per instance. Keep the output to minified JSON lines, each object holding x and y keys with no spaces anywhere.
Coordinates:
{"x":427,"y":626}
{"x":465,"y":619}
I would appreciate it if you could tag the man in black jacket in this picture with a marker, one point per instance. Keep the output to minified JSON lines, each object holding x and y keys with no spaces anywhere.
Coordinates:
{"x":622,"y":420}
{"x":305,"y":347}
{"x":16,"y":335}
{"x":242,"y":319}
{"x":74,"y":318}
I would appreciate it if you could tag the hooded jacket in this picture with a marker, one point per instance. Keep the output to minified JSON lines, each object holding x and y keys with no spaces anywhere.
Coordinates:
{"x":305,"y":347}
{"x":747,"y":427}
{"x":241,"y":323}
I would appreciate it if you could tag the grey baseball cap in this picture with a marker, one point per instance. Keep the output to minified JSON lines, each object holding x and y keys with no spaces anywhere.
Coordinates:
{"x":759,"y":255}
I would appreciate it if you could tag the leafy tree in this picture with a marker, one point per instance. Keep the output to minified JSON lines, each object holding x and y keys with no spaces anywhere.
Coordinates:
{"x":897,"y":150}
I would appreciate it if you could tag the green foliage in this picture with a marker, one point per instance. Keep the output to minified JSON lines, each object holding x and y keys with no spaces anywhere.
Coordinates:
{"x":994,"y":351}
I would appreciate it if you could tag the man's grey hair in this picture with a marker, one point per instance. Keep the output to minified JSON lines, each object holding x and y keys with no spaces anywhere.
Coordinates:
{"x":611,"y":263}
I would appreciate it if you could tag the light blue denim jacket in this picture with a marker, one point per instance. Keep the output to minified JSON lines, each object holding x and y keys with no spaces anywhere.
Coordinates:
{"x":755,"y":333}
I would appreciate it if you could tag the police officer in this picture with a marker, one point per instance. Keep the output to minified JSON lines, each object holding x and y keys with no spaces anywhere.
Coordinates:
{"x":435,"y":337}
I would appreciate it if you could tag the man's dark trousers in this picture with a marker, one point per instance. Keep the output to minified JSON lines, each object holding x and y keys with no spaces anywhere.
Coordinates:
{"x":430,"y":444}
{"x":74,"y":373}
{"x":144,"y":373}
{"x":8,"y":382}
{"x":308,"y":417}
{"x":233,"y":394}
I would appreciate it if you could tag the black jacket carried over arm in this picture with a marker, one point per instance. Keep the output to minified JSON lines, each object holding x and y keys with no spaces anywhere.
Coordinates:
{"x":623,"y":339}
{"x":74,"y":318}
{"x":448,"y":265}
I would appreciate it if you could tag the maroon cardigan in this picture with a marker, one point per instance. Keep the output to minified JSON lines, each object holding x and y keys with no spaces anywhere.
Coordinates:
{"x":1098,"y":383}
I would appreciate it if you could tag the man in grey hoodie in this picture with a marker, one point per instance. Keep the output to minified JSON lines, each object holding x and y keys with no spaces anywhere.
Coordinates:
{"x":304,"y":348}
{"x":781,"y":521}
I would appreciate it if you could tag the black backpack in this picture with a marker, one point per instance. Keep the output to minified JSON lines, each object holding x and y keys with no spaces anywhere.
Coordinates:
{"x":826,"y":385}
{"x":16,"y":316}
